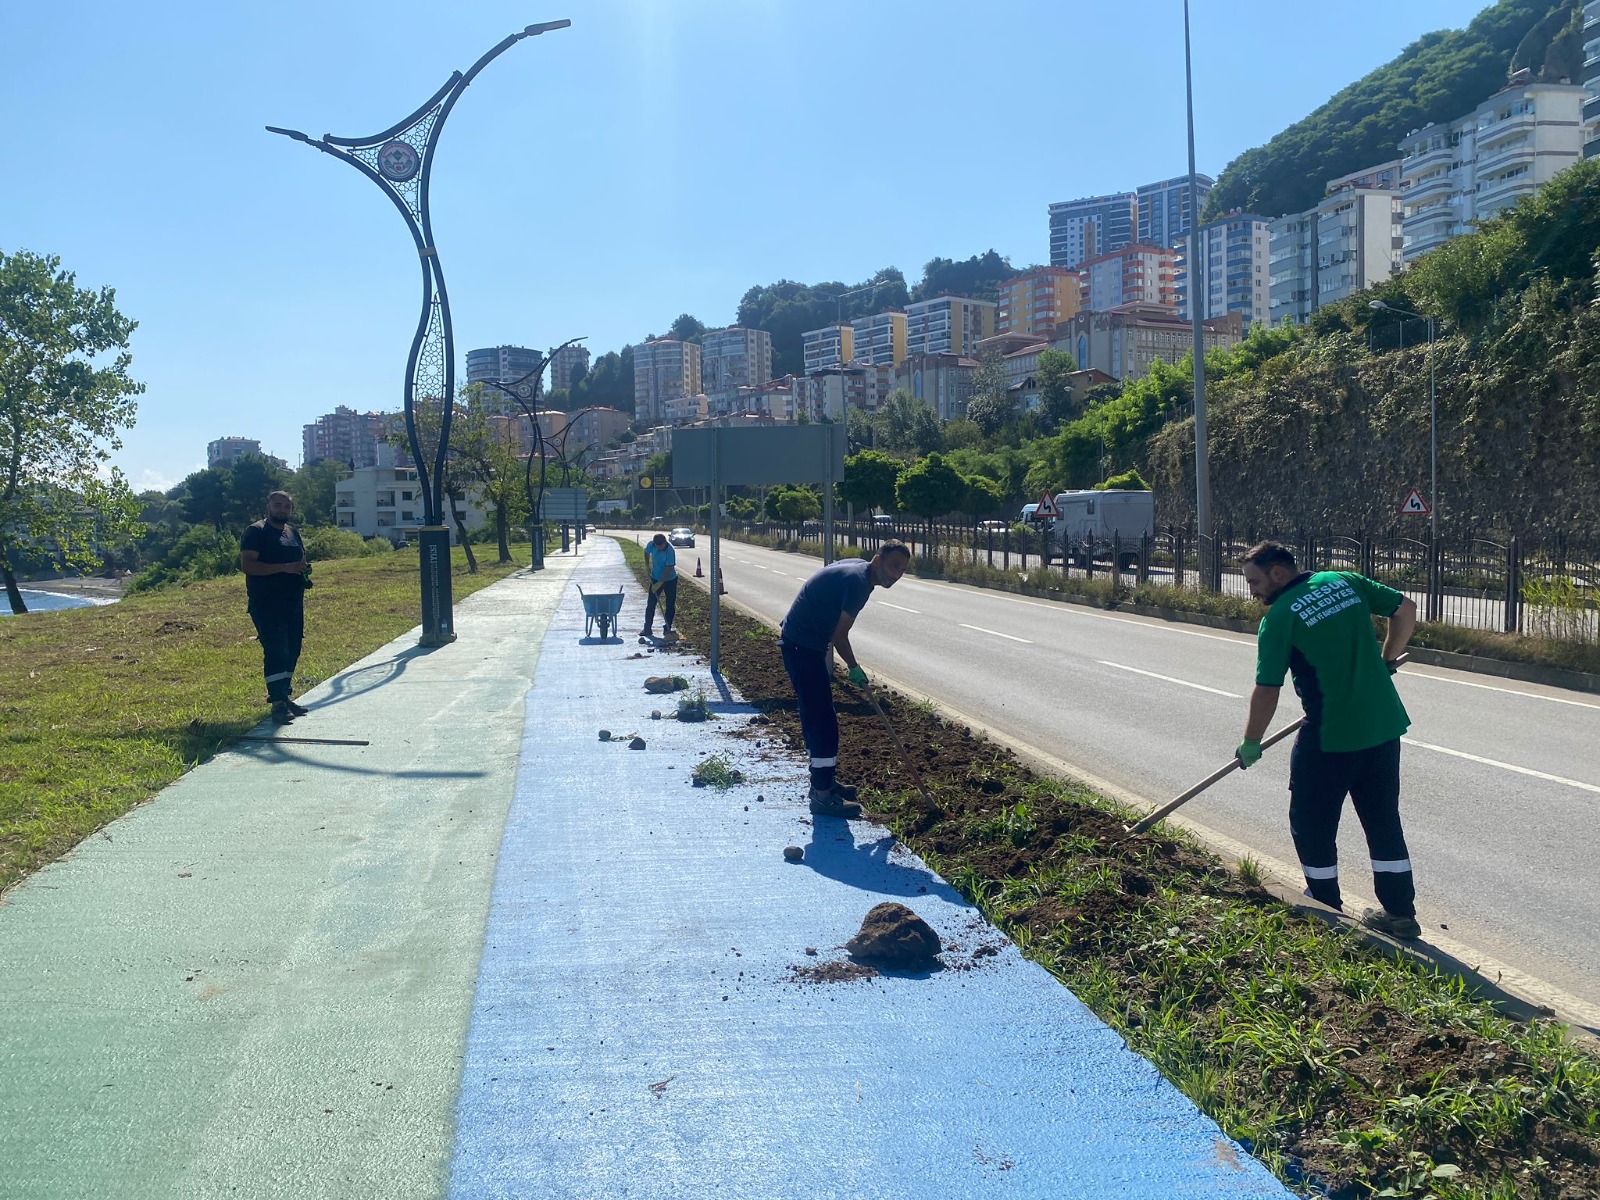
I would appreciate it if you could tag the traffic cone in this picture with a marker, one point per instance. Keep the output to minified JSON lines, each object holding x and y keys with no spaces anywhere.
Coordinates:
{"x":722,"y":588}
{"x":698,"y":573}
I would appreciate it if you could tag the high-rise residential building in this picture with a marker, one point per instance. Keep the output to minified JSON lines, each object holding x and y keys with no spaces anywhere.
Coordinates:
{"x":1591,"y":78}
{"x":503,"y":364}
{"x":734,"y":358}
{"x":830,"y":346}
{"x":229,"y":450}
{"x":1456,"y":173}
{"x":880,"y":340}
{"x":592,"y":428}
{"x":830,"y":392}
{"x":346,"y":436}
{"x":1291,"y":269}
{"x":1087,"y":228}
{"x":564,"y":364}
{"x":663,"y":371}
{"x":1037,"y":300}
{"x":1385,"y":177}
{"x":1349,"y":242}
{"x":1124,"y":342}
{"x":1235,"y":250}
{"x":1136,"y":274}
{"x":1164,"y":209}
{"x":948,"y":325}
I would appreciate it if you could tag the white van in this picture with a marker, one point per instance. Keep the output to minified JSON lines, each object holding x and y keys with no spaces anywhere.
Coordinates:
{"x":1091,"y":522}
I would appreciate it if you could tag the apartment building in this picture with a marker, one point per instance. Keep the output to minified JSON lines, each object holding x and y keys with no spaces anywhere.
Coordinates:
{"x":1591,"y":78}
{"x":948,"y":325}
{"x":1349,"y":242}
{"x":226,"y":451}
{"x":501,"y":364}
{"x":567,"y":362}
{"x":1037,"y":300}
{"x":1136,"y":274}
{"x":1125,"y":341}
{"x":1234,"y":250}
{"x":1163,"y":209}
{"x":592,"y":428}
{"x":385,"y":500}
{"x":1456,"y":173}
{"x":1087,"y":228}
{"x":830,"y":392}
{"x":944,"y":380}
{"x":663,"y":371}
{"x":880,"y":339}
{"x":772,"y":401}
{"x":830,"y":346}
{"x":733,"y":358}
{"x":344,"y":435}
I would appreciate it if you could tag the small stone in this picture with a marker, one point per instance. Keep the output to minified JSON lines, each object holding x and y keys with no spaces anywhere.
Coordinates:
{"x":812,"y":951}
{"x":761,"y":799}
{"x":655,"y":714}
{"x":605,"y":735}
{"x":893,"y":934}
{"x":793,"y":853}
{"x":636,"y":744}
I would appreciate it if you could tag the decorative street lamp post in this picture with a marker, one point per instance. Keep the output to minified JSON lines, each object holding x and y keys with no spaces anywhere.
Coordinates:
{"x":400,"y":161}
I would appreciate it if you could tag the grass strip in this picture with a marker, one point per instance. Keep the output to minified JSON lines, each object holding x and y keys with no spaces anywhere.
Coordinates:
{"x":100,"y":708}
{"x":1569,"y":654}
{"x":1348,"y":1071}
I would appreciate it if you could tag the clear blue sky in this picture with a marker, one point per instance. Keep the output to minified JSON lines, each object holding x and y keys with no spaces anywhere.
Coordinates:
{"x":658,"y":157}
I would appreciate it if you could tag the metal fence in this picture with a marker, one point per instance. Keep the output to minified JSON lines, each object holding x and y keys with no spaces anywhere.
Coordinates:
{"x":1482,"y":583}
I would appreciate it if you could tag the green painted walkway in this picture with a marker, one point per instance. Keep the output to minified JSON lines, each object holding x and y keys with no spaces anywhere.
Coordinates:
{"x":259,"y":983}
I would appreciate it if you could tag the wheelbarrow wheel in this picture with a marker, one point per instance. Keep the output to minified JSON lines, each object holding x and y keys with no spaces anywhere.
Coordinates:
{"x":605,"y":626}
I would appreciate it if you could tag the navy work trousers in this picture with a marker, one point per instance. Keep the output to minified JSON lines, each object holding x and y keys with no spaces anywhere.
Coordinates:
{"x":668,"y":594}
{"x":1319,"y":780}
{"x":819,"y":724}
{"x":280,"y":628}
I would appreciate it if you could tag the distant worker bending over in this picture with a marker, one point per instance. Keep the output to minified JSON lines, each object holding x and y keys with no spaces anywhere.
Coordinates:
{"x":820,"y":617}
{"x":1319,"y":627}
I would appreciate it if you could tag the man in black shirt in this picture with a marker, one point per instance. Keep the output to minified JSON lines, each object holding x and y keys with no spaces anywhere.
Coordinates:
{"x":274,"y":563}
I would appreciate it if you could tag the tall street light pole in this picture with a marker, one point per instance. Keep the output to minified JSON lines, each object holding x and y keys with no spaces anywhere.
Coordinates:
{"x":1433,"y":417}
{"x":400,"y":161}
{"x":1202,"y":462}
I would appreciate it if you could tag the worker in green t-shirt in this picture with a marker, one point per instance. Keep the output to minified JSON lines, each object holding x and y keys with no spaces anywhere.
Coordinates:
{"x":1318,"y":625}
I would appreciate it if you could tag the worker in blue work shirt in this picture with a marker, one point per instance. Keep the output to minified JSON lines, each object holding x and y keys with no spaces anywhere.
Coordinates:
{"x":820,"y":618}
{"x":663,"y":562}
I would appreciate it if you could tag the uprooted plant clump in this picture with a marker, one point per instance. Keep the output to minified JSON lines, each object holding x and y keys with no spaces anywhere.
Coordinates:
{"x":1351,"y":1073}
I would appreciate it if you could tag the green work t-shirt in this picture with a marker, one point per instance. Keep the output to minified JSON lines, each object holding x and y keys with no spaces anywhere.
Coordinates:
{"x":1320,"y":628}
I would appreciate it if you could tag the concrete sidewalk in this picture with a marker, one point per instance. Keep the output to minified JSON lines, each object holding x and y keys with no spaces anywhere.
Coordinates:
{"x":261,"y":983}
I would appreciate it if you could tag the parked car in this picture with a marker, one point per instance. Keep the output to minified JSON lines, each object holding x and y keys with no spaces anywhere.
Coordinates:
{"x":682,"y":536}
{"x":883,"y":520}
{"x":993,"y":526}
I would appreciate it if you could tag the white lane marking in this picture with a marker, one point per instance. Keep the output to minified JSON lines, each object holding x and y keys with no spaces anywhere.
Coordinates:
{"x":901,"y":607}
{"x":1504,"y":766}
{"x":1489,"y":687}
{"x":995,"y":633}
{"x":1074,"y":610}
{"x":775,"y":571}
{"x":1199,"y":687}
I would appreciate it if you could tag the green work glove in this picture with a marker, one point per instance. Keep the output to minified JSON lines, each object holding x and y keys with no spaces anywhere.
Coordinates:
{"x":1248,"y":753}
{"x":858,"y":677}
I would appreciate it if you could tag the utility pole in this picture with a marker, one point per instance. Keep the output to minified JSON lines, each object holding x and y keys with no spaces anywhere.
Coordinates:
{"x":1202,"y":463}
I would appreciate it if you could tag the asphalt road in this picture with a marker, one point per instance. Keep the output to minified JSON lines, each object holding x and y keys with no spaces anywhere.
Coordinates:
{"x":1500,"y":779}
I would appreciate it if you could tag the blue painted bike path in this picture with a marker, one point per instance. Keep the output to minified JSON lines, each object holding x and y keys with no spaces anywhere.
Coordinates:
{"x":639,"y":1029}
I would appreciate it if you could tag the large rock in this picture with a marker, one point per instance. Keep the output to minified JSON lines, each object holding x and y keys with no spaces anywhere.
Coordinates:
{"x":895,"y":935}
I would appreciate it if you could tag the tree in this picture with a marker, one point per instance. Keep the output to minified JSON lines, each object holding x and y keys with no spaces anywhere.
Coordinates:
{"x":486,"y":456}
{"x":1129,"y":481}
{"x":1056,"y":403}
{"x":686,"y":329}
{"x":789,"y":504}
{"x":869,"y":479}
{"x":910,"y":425}
{"x":787,"y":309}
{"x":988,"y":413}
{"x":315,"y":492}
{"x":205,"y":497}
{"x":62,"y":407}
{"x":978,"y":277}
{"x":930,"y":488}
{"x":984,"y":496}
{"x":250,"y":479}
{"x":609,"y":383}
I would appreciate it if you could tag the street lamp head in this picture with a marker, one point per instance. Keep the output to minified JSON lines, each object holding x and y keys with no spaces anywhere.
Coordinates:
{"x":1376,"y":304}
{"x":545,"y":27}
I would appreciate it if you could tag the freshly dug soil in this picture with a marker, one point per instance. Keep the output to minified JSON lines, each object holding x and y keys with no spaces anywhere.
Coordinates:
{"x":1334,"y":1145}
{"x":895,"y":936}
{"x":832,"y":972}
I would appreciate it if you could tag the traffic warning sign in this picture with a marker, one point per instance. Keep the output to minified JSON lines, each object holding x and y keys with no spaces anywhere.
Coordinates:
{"x":1414,"y":505}
{"x":1047,"y":510}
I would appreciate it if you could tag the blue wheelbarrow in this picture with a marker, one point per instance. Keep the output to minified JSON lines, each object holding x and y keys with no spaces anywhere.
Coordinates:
{"x":601,"y":610}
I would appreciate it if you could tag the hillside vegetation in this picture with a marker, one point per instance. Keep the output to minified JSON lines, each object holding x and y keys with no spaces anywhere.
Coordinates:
{"x":1438,"y":77}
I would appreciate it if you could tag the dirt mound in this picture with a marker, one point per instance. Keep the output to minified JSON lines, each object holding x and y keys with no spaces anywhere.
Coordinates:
{"x":894,"y":935}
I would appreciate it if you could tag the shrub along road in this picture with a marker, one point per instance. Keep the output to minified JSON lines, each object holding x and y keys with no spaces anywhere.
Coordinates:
{"x":1345,"y":1071}
{"x":1500,"y":785}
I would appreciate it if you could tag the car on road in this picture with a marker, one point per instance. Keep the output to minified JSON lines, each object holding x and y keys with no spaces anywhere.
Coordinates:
{"x":682,"y":536}
{"x":883,"y":520}
{"x":993,"y":526}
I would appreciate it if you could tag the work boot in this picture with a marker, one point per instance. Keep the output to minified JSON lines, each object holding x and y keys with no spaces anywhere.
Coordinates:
{"x":1393,"y":924}
{"x":830,"y":802}
{"x":299,"y":710}
{"x":280,"y":712}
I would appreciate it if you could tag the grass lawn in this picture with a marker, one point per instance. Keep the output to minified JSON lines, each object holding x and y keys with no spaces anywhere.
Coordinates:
{"x":100,"y":708}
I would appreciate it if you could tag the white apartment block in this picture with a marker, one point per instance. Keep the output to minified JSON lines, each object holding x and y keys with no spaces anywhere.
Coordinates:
{"x":734,"y":358}
{"x":948,"y":325}
{"x":1087,"y":228}
{"x":386,"y":501}
{"x":1459,"y":172}
{"x":830,"y":346}
{"x":1349,"y":242}
{"x":226,"y":451}
{"x":1136,"y":274}
{"x":879,"y":340}
{"x":1235,"y":250}
{"x":663,"y":370}
{"x":686,"y":410}
{"x":1591,"y":78}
